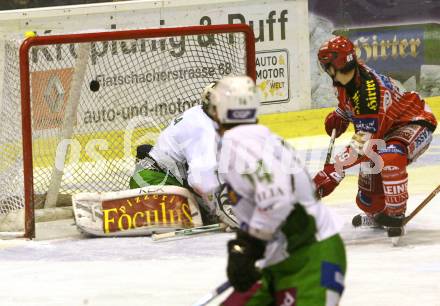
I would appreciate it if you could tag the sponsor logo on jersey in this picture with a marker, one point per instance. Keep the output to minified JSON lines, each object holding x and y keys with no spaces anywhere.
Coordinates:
{"x":395,"y":189}
{"x":419,"y":145}
{"x":356,"y":102}
{"x":369,"y":125}
{"x":371,"y":95}
{"x":241,"y":114}
{"x":392,"y":149}
{"x":421,"y":138}
{"x":366,"y":99}
{"x":396,"y":194}
{"x":391,"y":168}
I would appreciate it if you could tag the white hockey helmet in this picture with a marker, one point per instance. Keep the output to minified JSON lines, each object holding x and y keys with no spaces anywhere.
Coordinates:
{"x":207,"y":92}
{"x":234,"y":100}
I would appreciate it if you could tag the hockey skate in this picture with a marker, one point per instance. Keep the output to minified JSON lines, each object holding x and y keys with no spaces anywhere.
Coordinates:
{"x":395,"y":233}
{"x":363,"y":220}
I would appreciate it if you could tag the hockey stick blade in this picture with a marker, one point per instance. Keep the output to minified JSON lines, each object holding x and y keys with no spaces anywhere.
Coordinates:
{"x":212,"y":295}
{"x":190,"y":231}
{"x":389,"y":221}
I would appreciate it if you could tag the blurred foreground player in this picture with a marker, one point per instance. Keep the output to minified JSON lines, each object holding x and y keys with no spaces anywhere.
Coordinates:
{"x":294,"y":238}
{"x":379,"y":110}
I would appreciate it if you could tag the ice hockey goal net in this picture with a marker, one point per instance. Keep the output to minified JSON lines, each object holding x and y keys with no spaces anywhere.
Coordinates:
{"x":74,"y":107}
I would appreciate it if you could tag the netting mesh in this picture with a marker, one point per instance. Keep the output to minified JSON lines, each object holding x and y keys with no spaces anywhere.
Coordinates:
{"x":128,"y":91}
{"x":11,"y":161}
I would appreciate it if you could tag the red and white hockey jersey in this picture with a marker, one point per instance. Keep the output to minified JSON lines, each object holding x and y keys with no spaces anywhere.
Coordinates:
{"x":375,"y":104}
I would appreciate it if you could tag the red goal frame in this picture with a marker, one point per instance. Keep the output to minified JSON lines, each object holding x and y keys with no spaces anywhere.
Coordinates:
{"x":94,"y":37}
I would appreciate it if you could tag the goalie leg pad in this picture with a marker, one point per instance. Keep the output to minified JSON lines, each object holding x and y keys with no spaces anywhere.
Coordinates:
{"x":136,"y":212}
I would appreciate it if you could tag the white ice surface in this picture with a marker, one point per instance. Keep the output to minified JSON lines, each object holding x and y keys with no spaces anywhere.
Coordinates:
{"x":63,"y":268}
{"x":136,"y":271}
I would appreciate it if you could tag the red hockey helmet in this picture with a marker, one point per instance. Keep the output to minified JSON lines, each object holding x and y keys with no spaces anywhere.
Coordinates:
{"x":338,"y":52}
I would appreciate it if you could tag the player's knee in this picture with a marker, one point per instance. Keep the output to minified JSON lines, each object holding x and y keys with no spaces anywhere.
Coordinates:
{"x":394,"y":162}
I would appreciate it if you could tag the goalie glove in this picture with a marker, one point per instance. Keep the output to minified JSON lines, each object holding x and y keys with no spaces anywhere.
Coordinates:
{"x":243,"y":252}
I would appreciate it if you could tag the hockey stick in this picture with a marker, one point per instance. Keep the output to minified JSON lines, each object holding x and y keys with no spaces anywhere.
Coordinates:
{"x":190,"y":231}
{"x":421,"y":205}
{"x":213,"y":294}
{"x":330,"y":147}
{"x":391,"y":221}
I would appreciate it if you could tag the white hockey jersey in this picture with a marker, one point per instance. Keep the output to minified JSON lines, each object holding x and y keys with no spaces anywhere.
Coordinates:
{"x":188,"y":149}
{"x":274,"y":194}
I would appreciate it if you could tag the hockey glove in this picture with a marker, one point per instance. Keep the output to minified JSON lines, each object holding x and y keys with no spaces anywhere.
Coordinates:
{"x":334,"y":121}
{"x":326,"y":180}
{"x":243,"y":252}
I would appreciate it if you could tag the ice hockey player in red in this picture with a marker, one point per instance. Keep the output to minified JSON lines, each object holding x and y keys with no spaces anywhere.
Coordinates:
{"x":379,"y":110}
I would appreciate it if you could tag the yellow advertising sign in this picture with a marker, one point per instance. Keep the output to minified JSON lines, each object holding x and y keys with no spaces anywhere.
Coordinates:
{"x":273,"y":76}
{"x":146,"y":210}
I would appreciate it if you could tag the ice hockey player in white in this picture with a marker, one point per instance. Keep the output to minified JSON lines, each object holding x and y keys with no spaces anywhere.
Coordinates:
{"x":294,"y":238}
{"x":185,"y":154}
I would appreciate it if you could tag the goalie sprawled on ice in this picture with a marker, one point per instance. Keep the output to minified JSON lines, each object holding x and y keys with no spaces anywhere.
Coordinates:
{"x":167,"y":184}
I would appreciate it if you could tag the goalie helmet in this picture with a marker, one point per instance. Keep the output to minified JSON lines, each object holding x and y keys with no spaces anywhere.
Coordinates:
{"x":207,"y":92}
{"x":338,"y":52}
{"x":234,"y":100}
